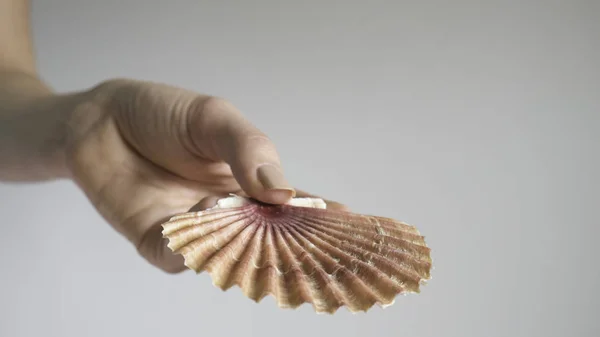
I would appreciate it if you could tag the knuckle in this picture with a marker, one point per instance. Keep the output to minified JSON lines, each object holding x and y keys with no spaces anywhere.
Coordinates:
{"x":261,"y":148}
{"x":257,"y":140}
{"x":215,"y":104}
{"x":208,"y":112}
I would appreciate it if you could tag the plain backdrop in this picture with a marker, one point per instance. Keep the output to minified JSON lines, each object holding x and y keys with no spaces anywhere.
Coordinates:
{"x":477,"y":121}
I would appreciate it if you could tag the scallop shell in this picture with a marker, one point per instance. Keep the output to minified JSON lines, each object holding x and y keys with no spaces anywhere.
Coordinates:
{"x":302,"y":252}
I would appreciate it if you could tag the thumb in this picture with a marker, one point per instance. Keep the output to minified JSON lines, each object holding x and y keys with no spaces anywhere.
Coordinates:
{"x":252,"y":156}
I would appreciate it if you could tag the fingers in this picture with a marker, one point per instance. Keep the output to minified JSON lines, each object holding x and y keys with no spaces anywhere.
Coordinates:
{"x":205,"y":203}
{"x":153,"y":247}
{"x":220,"y":130}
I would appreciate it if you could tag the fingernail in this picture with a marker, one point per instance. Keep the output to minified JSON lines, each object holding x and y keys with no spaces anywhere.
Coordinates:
{"x":273,"y":180}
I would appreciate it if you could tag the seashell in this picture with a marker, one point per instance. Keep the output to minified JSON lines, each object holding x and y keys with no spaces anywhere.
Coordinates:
{"x":302,"y":252}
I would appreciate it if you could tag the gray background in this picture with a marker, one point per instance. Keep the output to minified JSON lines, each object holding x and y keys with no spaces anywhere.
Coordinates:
{"x":477,"y":122}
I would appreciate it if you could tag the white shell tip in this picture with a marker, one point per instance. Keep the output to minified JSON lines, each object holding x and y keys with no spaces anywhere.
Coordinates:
{"x":308,"y":202}
{"x":232,"y":201}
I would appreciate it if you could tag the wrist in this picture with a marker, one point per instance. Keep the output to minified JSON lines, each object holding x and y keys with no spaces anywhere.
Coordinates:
{"x":34,"y":135}
{"x":59,"y":111}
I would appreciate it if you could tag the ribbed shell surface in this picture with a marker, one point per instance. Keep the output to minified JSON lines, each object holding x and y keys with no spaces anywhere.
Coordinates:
{"x":302,"y":255}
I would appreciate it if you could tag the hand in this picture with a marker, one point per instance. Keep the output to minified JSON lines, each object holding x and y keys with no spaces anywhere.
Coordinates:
{"x":143,"y":152}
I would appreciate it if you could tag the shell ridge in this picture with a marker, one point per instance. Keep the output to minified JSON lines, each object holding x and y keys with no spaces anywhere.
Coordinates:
{"x":301,"y":252}
{"x":347,"y":265}
{"x":204,"y":212}
{"x":231,"y":233}
{"x":392,"y":268}
{"x":263,"y":274}
{"x":280,"y":272}
{"x":353,"y":242}
{"x":357,"y":223}
{"x":271,"y":265}
{"x":293,"y":282}
{"x":182,"y":222}
{"x":380,"y":231}
{"x":222,"y":272}
{"x":189,"y":236}
{"x":306,"y":291}
{"x":197,"y":214}
{"x":352,"y":265}
{"x":390,"y":250}
{"x":197,"y":253}
{"x":244,"y":273}
{"x":392,"y":242}
{"x":319,"y":283}
{"x":357,"y":219}
{"x":255,"y":290}
{"x":209,"y":213}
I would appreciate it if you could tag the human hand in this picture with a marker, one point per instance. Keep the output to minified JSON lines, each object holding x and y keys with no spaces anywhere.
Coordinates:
{"x":143,"y":152}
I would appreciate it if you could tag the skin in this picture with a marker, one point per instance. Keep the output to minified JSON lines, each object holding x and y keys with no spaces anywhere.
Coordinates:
{"x":140,"y":151}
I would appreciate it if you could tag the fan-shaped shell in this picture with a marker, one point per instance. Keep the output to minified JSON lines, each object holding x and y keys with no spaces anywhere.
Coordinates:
{"x":302,"y":252}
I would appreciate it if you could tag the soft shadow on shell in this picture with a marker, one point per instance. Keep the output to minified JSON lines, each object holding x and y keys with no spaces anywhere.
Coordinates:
{"x":302,"y":252}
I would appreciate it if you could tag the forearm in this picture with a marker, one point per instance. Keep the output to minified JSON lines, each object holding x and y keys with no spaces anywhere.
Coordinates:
{"x":32,"y":132}
{"x":30,"y":129}
{"x":31,"y":118}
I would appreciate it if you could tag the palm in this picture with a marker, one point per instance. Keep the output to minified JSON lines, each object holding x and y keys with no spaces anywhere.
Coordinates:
{"x":132,"y":192}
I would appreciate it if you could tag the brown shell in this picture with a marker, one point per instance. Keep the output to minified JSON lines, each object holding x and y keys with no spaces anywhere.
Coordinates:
{"x":302,"y":253}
